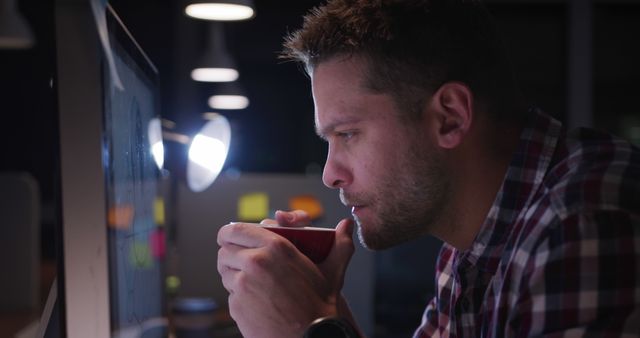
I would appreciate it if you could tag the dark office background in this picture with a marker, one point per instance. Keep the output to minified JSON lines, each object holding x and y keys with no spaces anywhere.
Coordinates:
{"x":275,"y":133}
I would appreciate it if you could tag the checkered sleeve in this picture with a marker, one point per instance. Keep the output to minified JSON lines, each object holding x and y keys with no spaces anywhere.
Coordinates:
{"x":582,"y":279}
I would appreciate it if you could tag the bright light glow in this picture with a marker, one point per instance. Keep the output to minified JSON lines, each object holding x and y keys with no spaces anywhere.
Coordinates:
{"x":214,"y":74}
{"x":219,"y":12}
{"x":207,"y":152}
{"x":228,"y":102}
{"x":157,"y":149}
{"x":154,"y":131}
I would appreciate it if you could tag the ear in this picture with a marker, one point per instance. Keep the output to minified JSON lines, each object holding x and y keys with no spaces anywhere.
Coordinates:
{"x":452,"y":106}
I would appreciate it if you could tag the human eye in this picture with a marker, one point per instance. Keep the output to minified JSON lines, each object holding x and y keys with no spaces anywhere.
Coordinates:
{"x":346,"y":135}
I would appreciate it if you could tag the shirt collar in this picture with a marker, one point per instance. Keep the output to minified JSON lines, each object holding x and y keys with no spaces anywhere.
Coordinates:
{"x":524,"y":175}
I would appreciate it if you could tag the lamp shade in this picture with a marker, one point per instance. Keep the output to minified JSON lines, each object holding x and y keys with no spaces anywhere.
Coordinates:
{"x":222,"y":10}
{"x":215,"y":64}
{"x":207,"y":153}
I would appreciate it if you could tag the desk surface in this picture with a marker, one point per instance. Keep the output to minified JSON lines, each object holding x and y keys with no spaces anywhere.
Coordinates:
{"x":14,"y":321}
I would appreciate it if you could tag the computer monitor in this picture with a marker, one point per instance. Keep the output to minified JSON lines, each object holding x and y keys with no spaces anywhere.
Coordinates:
{"x":111,"y":282}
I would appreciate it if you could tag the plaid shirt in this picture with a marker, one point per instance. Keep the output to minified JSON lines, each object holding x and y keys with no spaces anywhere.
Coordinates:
{"x":559,"y":252}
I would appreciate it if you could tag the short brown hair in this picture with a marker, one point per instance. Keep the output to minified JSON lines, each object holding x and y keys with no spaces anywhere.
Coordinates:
{"x":411,"y":47}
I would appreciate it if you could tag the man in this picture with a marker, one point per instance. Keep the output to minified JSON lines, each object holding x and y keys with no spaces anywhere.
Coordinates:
{"x":428,"y":135}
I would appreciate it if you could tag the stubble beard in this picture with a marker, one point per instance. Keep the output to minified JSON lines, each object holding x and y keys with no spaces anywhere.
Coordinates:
{"x":408,"y":203}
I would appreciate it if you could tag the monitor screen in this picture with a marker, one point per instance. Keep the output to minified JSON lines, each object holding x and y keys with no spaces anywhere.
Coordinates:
{"x":111,"y":282}
{"x":136,"y":236}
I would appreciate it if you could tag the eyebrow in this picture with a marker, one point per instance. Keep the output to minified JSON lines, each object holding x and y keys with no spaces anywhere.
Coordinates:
{"x":331,"y":127}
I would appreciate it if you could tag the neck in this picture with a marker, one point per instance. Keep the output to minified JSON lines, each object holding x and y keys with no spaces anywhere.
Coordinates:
{"x":479,"y":167}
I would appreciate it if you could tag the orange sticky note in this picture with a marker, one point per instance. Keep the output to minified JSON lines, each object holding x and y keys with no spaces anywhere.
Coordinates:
{"x":308,"y":203}
{"x":120,"y":216}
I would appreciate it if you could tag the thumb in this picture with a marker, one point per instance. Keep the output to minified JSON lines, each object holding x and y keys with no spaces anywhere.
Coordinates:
{"x":335,"y":265}
{"x":294,"y":218}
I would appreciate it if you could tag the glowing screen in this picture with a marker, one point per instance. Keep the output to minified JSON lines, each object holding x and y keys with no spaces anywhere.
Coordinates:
{"x":135,"y":236}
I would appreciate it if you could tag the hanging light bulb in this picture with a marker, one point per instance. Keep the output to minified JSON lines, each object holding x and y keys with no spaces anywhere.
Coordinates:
{"x":231,"y":102}
{"x":229,"y":96}
{"x":223,"y":10}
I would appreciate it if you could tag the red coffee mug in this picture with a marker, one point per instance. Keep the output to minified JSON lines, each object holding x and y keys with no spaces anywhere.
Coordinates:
{"x":313,"y":242}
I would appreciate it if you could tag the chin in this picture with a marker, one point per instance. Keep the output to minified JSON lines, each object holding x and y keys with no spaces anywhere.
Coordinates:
{"x":371,"y":239}
{"x":380,"y":236}
{"x":363,"y":236}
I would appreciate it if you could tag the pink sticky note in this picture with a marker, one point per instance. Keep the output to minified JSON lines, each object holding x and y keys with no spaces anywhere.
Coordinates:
{"x":157,"y":241}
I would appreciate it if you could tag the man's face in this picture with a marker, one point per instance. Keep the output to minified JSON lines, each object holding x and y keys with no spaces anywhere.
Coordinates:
{"x":388,"y":170}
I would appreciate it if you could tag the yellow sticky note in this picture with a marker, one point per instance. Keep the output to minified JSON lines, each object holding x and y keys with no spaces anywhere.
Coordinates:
{"x":253,"y":207}
{"x":158,"y":211}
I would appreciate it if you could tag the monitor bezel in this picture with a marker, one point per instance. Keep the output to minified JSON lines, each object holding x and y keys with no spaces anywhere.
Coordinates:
{"x":84,"y":262}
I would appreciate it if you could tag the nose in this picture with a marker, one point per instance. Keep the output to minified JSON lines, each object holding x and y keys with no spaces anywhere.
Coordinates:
{"x":336,"y":174}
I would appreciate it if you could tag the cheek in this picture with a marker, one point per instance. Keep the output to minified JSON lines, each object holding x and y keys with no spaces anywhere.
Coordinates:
{"x":378,"y":158}
{"x":376,"y":167}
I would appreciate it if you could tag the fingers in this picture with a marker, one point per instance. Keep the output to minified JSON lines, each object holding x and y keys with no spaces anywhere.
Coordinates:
{"x":243,"y":234}
{"x":228,"y":265}
{"x":292,"y":218}
{"x":344,"y":246}
{"x":269,"y":221}
{"x":230,"y":257}
{"x":295,"y":218}
{"x":249,"y":248}
{"x":234,"y":261}
{"x":228,"y":276}
{"x":252,"y":249}
{"x":274,"y":290}
{"x":336,"y":263}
